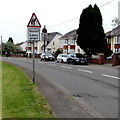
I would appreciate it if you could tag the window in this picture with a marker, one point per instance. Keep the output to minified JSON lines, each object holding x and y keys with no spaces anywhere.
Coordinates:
{"x":65,"y":51}
{"x":73,"y":41}
{"x":72,"y":51}
{"x":119,"y":50}
{"x":118,"y":39}
{"x":116,"y":50}
{"x":64,"y":41}
{"x":53,"y":43}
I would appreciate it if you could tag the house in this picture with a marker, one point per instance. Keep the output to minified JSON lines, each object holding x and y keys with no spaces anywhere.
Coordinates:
{"x":69,"y":44}
{"x":54,"y":42}
{"x":22,"y":46}
{"x":113,"y":39}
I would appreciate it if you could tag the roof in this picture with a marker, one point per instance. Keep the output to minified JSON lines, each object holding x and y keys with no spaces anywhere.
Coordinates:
{"x":114,"y":32}
{"x":69,"y":34}
{"x":18,"y":44}
{"x":50,"y":36}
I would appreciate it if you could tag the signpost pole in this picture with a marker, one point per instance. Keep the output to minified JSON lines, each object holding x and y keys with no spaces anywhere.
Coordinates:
{"x":33,"y":63}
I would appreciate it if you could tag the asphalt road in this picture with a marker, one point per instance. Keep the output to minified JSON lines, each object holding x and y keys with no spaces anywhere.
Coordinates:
{"x":94,"y":88}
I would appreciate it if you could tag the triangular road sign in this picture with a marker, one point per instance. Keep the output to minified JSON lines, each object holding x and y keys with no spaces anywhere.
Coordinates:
{"x":34,"y":22}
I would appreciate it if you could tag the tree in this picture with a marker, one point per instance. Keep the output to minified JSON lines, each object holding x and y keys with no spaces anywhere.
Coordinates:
{"x":57,"y":52}
{"x":91,"y":36}
{"x":10,"y":40}
{"x":115,"y":22}
{"x":18,"y":50}
{"x":8,"y":48}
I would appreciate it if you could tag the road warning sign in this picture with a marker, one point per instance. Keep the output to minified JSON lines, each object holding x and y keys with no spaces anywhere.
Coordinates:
{"x":34,"y":22}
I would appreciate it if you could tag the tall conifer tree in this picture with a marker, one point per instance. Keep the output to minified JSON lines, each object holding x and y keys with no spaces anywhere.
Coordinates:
{"x":91,"y":36}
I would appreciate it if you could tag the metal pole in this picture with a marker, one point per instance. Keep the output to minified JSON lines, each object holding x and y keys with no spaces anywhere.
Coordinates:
{"x":33,"y":63}
{"x":44,"y":42}
{"x":1,"y":46}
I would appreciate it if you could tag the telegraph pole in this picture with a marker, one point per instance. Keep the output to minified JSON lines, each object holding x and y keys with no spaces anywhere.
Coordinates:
{"x":1,"y":46}
{"x":44,"y":30}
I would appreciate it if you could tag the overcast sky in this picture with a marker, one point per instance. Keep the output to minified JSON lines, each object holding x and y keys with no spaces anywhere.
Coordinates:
{"x":15,"y":15}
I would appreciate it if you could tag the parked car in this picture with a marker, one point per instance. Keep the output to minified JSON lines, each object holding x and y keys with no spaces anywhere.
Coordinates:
{"x":109,"y":58}
{"x":47,"y":56}
{"x":77,"y":58}
{"x":62,"y":58}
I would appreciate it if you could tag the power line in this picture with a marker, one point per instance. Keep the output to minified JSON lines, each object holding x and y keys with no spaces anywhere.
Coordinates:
{"x":77,"y":17}
{"x":106,"y":3}
{"x":64,"y":22}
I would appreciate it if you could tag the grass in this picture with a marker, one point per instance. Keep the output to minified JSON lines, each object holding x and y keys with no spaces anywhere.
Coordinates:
{"x":20,"y":97}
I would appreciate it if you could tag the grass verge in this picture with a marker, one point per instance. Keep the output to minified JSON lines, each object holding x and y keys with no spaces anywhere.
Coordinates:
{"x":20,"y":97}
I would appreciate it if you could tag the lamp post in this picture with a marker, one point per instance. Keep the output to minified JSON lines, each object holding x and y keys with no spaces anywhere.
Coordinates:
{"x":44,"y":30}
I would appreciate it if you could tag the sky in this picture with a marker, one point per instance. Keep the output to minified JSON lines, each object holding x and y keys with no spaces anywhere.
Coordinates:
{"x":58,"y":15}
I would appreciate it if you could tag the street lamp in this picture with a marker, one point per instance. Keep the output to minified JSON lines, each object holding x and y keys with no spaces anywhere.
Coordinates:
{"x":44,"y":30}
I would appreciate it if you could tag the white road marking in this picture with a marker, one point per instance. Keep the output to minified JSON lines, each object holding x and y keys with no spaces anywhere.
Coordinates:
{"x":52,"y":64}
{"x":83,"y":66}
{"x":85,"y":71}
{"x":16,"y":59}
{"x":9,"y":58}
{"x":110,"y":76}
{"x":66,"y":67}
{"x":40,"y":62}
{"x":23,"y":59}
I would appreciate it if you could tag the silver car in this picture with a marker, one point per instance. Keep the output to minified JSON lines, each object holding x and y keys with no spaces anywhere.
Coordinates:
{"x":62,"y":58}
{"x":47,"y":57}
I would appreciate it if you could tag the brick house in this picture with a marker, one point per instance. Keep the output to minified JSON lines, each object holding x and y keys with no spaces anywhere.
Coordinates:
{"x":113,"y":39}
{"x":69,"y":44}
